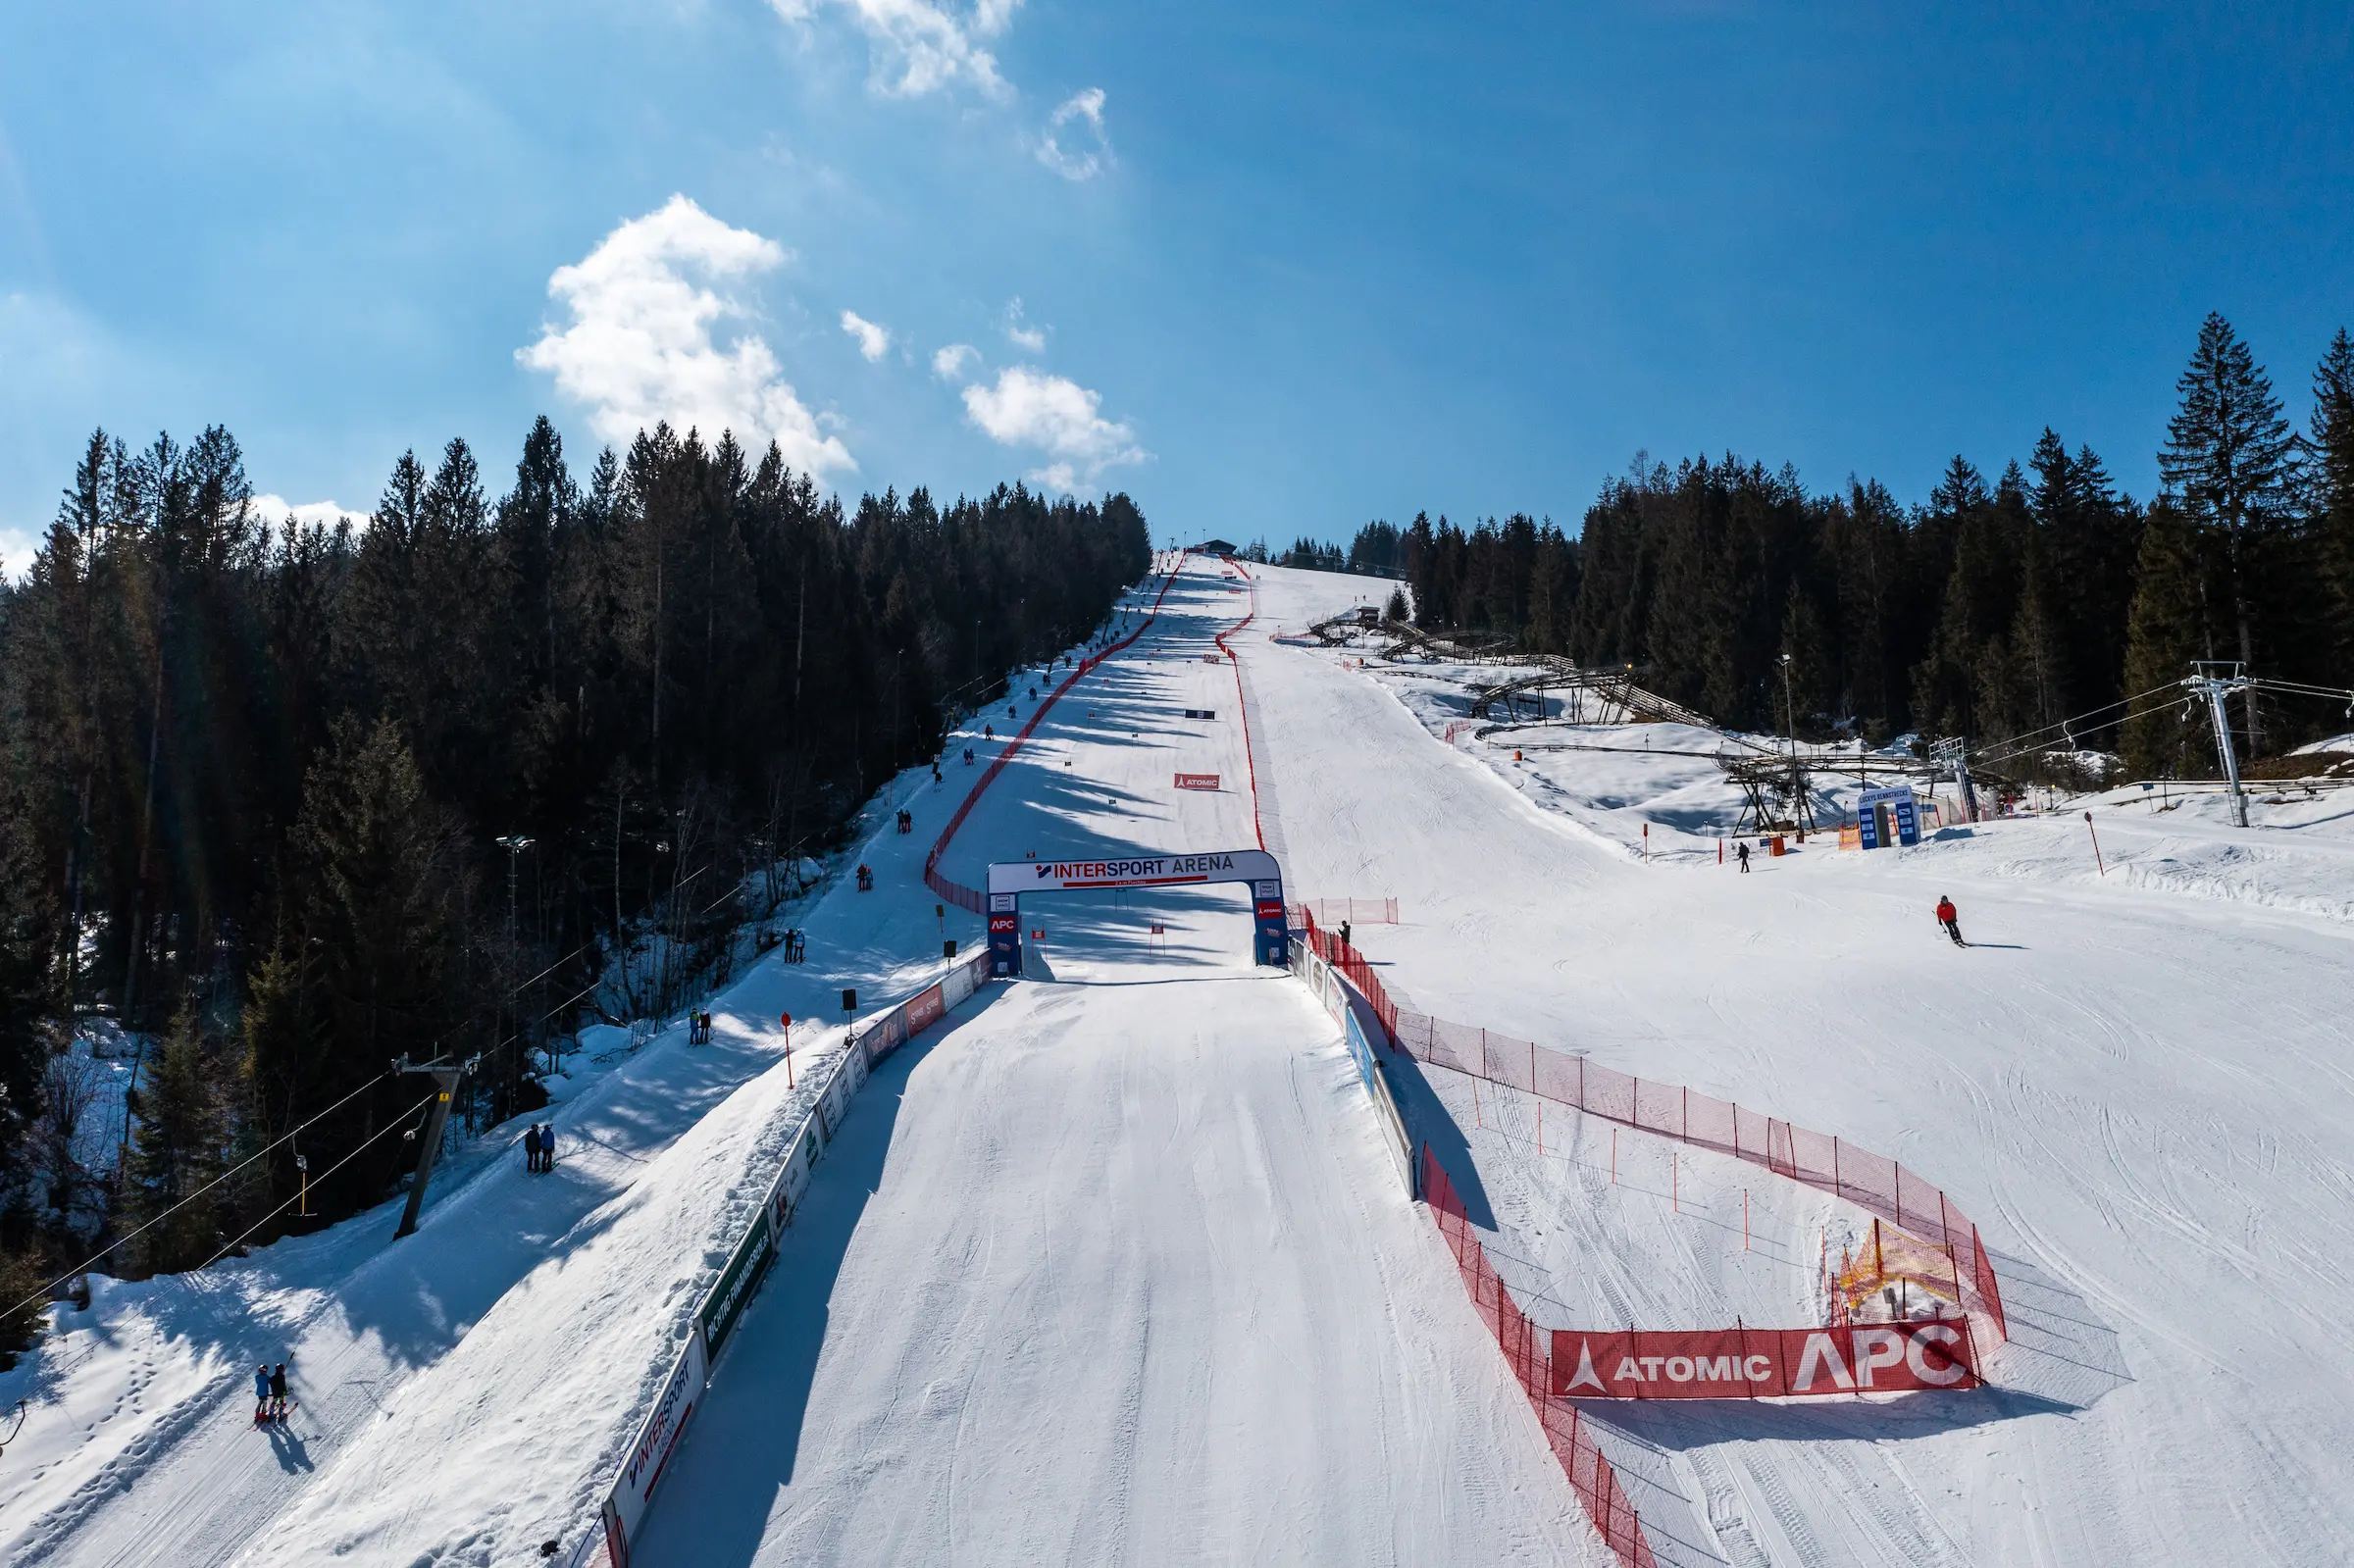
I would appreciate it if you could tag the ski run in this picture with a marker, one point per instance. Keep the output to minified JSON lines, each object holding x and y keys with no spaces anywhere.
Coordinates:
{"x":1112,"y":1264}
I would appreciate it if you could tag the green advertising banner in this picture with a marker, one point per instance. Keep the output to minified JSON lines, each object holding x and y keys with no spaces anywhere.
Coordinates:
{"x":734,"y":1287}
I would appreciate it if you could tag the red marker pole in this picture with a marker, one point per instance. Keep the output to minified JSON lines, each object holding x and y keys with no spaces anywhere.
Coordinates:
{"x":2096,"y":844}
{"x":787,"y":1020}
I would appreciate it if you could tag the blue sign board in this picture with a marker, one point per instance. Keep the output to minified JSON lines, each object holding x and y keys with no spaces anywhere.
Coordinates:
{"x":1888,"y":817}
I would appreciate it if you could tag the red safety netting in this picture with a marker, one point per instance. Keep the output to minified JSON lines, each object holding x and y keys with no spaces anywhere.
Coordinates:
{"x":955,"y":893}
{"x":1524,"y":1351}
{"x":1871,"y":1182}
{"x":1242,"y":703}
{"x":1356,"y":911}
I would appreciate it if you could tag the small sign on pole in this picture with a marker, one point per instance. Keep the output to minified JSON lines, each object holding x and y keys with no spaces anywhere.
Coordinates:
{"x":947,"y":949}
{"x":849,"y":999}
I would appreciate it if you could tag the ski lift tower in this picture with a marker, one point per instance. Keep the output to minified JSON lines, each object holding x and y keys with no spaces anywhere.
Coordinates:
{"x":2216,"y":681}
{"x":1951,"y":756}
{"x":446,"y":1076}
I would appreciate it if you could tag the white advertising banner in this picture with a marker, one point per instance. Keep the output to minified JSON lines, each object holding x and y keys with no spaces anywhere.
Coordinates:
{"x":1133,"y":871}
{"x":657,"y":1440}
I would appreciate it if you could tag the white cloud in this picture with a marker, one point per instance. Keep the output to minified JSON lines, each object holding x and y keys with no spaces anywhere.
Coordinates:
{"x":1019,"y":332}
{"x":275,"y":507}
{"x":917,"y":46}
{"x":873,"y":341}
{"x":952,"y":362}
{"x":640,"y":348}
{"x":18,"y":547}
{"x":1072,"y":163}
{"x":1027,"y":407}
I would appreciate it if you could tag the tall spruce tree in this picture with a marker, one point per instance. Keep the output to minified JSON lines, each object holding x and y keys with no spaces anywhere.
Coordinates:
{"x":2170,"y":629}
{"x":2230,"y":458}
{"x":178,"y":1149}
{"x":2330,"y":474}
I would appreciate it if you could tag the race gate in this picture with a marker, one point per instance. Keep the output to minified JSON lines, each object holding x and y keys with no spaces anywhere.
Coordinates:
{"x":1008,"y":880}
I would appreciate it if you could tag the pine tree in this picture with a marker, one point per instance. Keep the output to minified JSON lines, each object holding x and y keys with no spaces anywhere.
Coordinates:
{"x":177,"y":1151}
{"x":2230,"y":458}
{"x":2329,"y":470}
{"x":383,"y":881}
{"x":2168,"y":632}
{"x":1806,"y":641}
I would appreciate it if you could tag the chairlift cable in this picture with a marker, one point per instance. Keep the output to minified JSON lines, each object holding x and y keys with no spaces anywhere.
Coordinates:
{"x":84,"y":1267}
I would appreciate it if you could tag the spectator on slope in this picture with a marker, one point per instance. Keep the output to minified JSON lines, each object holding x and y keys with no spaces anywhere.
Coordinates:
{"x":277,"y":1393}
{"x":531,"y":1147}
{"x":261,"y":1393}
{"x":1741,"y":853}
{"x":1951,"y":918}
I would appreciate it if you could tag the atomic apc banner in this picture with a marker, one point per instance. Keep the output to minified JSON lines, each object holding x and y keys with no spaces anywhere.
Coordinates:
{"x":1197,"y":781}
{"x":1763,"y":1363}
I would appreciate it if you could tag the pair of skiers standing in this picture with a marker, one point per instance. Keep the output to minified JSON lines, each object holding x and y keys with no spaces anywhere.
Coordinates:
{"x":539,"y":1147}
{"x":269,"y":1394}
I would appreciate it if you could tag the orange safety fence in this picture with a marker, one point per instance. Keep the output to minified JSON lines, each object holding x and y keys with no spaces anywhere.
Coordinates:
{"x":1871,"y":1182}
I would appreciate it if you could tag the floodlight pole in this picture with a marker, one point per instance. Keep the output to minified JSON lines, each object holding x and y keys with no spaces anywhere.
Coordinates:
{"x":514,"y":845}
{"x":1790,"y":731}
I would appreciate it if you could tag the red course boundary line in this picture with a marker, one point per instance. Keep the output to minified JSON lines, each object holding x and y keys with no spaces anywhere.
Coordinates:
{"x":1243,"y":708}
{"x":958,"y":893}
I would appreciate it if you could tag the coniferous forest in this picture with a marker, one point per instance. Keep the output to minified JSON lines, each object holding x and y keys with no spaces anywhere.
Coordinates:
{"x":268,"y":784}
{"x":288,"y":800}
{"x":2038,"y":599}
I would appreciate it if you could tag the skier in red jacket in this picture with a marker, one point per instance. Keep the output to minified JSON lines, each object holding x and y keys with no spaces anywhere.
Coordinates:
{"x":1951,"y":918}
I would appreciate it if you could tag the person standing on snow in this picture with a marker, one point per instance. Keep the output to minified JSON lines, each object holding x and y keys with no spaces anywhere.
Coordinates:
{"x":277,"y":1393}
{"x":261,"y":1393}
{"x":1951,"y":918}
{"x":1741,"y":853}
{"x":531,"y":1147}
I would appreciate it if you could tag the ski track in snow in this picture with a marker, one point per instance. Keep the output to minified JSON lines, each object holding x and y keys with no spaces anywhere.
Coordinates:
{"x":1112,"y":1267}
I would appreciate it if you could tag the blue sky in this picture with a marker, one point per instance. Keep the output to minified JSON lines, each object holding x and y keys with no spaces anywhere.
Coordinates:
{"x":1273,"y":270}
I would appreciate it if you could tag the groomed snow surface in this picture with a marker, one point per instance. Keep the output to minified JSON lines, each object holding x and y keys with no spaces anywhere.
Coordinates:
{"x":1112,"y":1266}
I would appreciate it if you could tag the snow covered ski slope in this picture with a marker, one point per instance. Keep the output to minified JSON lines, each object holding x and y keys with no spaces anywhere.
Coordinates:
{"x":1117,"y":1269}
{"x":2144,"y":1093}
{"x":1112,"y":1267}
{"x":1122,"y":1276}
